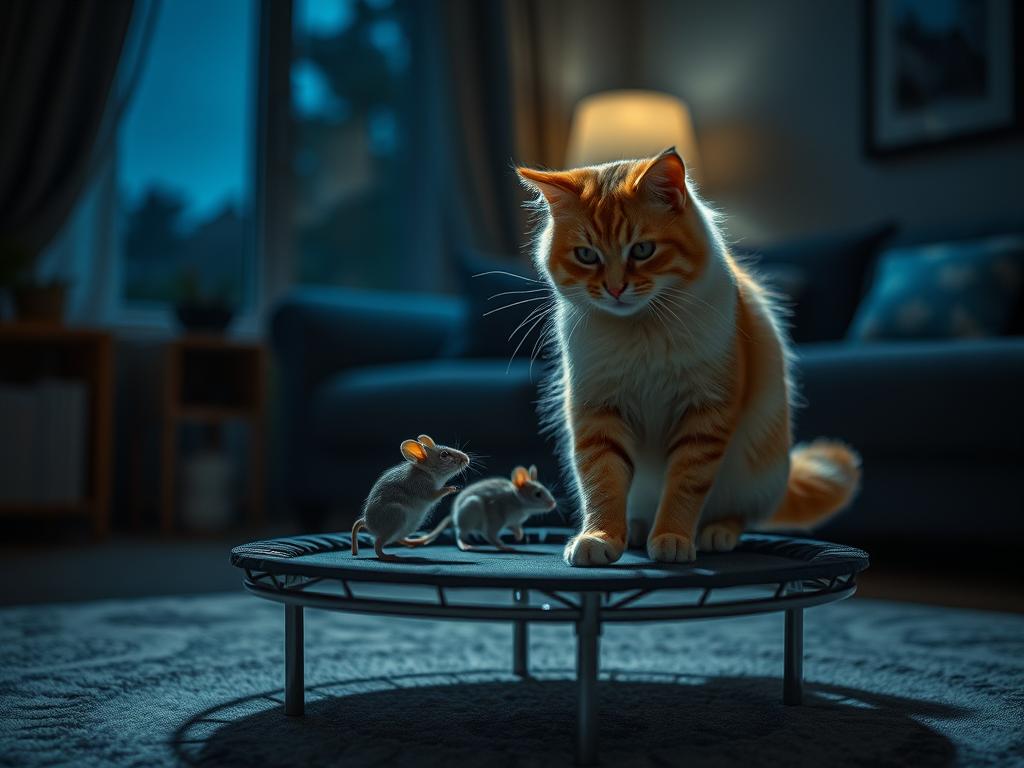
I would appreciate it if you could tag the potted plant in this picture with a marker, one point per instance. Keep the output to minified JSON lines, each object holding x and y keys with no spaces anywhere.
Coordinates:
{"x":36,"y":301}
{"x":199,"y":311}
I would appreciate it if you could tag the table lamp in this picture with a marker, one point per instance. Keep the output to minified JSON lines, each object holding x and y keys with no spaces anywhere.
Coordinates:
{"x":616,"y":125}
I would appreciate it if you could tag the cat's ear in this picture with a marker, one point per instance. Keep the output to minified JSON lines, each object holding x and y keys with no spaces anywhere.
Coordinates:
{"x":519,"y":477}
{"x":413,"y":451}
{"x":664,"y":179}
{"x":556,"y":186}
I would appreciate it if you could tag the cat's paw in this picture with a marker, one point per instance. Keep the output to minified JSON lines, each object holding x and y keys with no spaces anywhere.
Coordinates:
{"x":719,"y":537}
{"x":638,"y":530}
{"x":671,"y":548}
{"x":590,"y":549}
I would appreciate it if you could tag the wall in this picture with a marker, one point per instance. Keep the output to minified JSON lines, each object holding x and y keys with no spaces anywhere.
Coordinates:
{"x":775,"y":88}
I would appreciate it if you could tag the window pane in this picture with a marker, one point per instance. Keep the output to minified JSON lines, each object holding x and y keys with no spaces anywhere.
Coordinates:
{"x":185,"y":157}
{"x":350,"y":82}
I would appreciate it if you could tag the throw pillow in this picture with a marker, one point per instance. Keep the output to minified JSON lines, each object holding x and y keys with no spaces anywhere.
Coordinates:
{"x":946,"y":290}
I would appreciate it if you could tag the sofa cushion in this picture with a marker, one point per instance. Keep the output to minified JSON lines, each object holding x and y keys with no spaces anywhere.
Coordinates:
{"x":915,"y":399}
{"x":943,"y":290}
{"x":827,"y":274}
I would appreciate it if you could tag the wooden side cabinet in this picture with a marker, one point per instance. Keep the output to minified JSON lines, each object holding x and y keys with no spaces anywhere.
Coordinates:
{"x":211,"y":381}
{"x":30,"y":356}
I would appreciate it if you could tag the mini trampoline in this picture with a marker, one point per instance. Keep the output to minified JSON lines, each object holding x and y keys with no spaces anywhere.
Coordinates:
{"x":532,"y":584}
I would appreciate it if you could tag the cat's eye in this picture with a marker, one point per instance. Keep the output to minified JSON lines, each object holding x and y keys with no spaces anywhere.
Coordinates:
{"x":585,"y":255}
{"x":641,"y":251}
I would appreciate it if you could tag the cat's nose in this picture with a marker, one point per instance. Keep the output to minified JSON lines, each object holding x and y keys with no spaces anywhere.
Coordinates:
{"x":616,"y":292}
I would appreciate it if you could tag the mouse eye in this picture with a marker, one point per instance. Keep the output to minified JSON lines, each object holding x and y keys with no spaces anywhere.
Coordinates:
{"x":537,"y":494}
{"x":445,"y":454}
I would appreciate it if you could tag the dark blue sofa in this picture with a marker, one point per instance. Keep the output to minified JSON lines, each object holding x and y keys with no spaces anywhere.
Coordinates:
{"x":939,"y":424}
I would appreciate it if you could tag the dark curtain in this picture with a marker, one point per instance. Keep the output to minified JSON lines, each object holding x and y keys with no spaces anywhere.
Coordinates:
{"x":476,"y":71}
{"x":58,"y":60}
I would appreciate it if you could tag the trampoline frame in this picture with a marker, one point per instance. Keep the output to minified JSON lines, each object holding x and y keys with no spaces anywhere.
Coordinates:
{"x":588,"y":610}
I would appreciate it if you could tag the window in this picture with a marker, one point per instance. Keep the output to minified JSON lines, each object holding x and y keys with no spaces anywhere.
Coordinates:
{"x":351,"y":91}
{"x":186,"y":157}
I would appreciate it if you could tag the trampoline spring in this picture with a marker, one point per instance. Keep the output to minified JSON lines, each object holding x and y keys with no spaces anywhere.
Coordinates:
{"x":832,"y":583}
{"x":629,"y":599}
{"x":782,"y":588}
{"x":277,"y":584}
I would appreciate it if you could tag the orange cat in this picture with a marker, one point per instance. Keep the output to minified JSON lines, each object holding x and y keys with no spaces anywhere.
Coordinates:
{"x":674,"y":384}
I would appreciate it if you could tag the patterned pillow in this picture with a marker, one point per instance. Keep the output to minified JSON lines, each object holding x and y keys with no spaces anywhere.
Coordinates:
{"x":947,"y":290}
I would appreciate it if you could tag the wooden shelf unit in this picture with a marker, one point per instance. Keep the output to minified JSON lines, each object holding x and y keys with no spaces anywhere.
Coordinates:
{"x":238,"y":371}
{"x":30,"y":351}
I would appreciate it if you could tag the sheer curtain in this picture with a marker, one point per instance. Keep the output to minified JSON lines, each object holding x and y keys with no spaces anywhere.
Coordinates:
{"x":85,"y":250}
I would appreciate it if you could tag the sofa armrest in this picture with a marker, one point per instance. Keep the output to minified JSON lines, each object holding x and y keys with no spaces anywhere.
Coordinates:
{"x":317,"y":332}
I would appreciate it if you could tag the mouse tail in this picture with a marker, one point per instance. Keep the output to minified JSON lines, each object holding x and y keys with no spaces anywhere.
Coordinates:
{"x":359,"y":525}
{"x":421,"y":541}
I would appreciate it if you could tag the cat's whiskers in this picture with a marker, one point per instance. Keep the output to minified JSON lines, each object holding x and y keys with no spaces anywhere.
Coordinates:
{"x":533,"y":313}
{"x":686,"y":296}
{"x":543,"y":338}
{"x":514,"y":304}
{"x":575,"y":326}
{"x":689,"y":311}
{"x":663,"y":303}
{"x":509,"y":293}
{"x":526,"y":335}
{"x":510,"y":274}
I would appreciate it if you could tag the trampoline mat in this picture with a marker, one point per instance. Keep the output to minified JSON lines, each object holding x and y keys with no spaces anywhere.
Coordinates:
{"x":537,"y":563}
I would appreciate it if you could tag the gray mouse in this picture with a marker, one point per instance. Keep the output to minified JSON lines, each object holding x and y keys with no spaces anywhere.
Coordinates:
{"x":404,"y":495}
{"x":489,"y":506}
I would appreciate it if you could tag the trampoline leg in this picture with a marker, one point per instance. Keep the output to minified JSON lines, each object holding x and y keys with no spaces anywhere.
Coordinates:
{"x":793,"y":672}
{"x":588,"y":631}
{"x":521,"y":638}
{"x":294,"y":695}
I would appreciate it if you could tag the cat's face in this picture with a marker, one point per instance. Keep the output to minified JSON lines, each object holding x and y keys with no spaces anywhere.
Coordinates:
{"x":621,"y":239}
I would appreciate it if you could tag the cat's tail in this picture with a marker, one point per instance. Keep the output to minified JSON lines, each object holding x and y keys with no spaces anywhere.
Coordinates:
{"x":823,"y":479}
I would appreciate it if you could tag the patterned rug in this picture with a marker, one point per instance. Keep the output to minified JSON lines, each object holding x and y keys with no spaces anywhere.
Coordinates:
{"x":198,"y":681}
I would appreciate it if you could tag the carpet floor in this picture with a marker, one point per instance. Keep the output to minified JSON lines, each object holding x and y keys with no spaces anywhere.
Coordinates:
{"x":168,"y":681}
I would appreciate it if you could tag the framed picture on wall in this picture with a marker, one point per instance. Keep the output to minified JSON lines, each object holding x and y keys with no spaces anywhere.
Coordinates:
{"x":939,"y":71}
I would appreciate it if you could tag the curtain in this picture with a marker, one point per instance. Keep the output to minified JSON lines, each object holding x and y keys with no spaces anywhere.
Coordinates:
{"x":85,"y":251}
{"x":58,"y":60}
{"x":510,"y":73}
{"x":478,"y":116}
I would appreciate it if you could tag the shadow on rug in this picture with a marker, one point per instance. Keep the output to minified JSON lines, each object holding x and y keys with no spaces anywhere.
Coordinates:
{"x":664,"y":720}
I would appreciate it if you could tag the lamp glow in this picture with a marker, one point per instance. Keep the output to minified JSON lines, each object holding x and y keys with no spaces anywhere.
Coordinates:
{"x":617,"y":125}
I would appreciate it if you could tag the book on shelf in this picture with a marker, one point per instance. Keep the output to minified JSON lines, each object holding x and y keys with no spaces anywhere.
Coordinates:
{"x":43,"y":451}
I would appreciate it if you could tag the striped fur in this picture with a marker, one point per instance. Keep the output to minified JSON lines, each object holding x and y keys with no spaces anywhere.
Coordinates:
{"x":672,"y":394}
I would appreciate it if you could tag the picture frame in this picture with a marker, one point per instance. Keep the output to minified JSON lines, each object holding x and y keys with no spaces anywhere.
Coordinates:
{"x":939,"y":72}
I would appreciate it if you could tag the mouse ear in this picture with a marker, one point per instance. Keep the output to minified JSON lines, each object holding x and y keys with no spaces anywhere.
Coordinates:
{"x":519,"y":477}
{"x":413,"y":451}
{"x":427,"y":440}
{"x":533,"y":471}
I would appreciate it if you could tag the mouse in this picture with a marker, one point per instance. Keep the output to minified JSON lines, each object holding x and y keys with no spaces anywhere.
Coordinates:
{"x":404,"y":495}
{"x":489,"y":506}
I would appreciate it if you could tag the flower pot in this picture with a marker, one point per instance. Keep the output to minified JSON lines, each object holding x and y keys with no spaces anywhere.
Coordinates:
{"x":40,"y":303}
{"x":204,"y":318}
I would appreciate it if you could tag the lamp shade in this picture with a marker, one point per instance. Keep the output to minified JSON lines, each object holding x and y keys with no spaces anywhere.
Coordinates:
{"x":616,"y":125}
